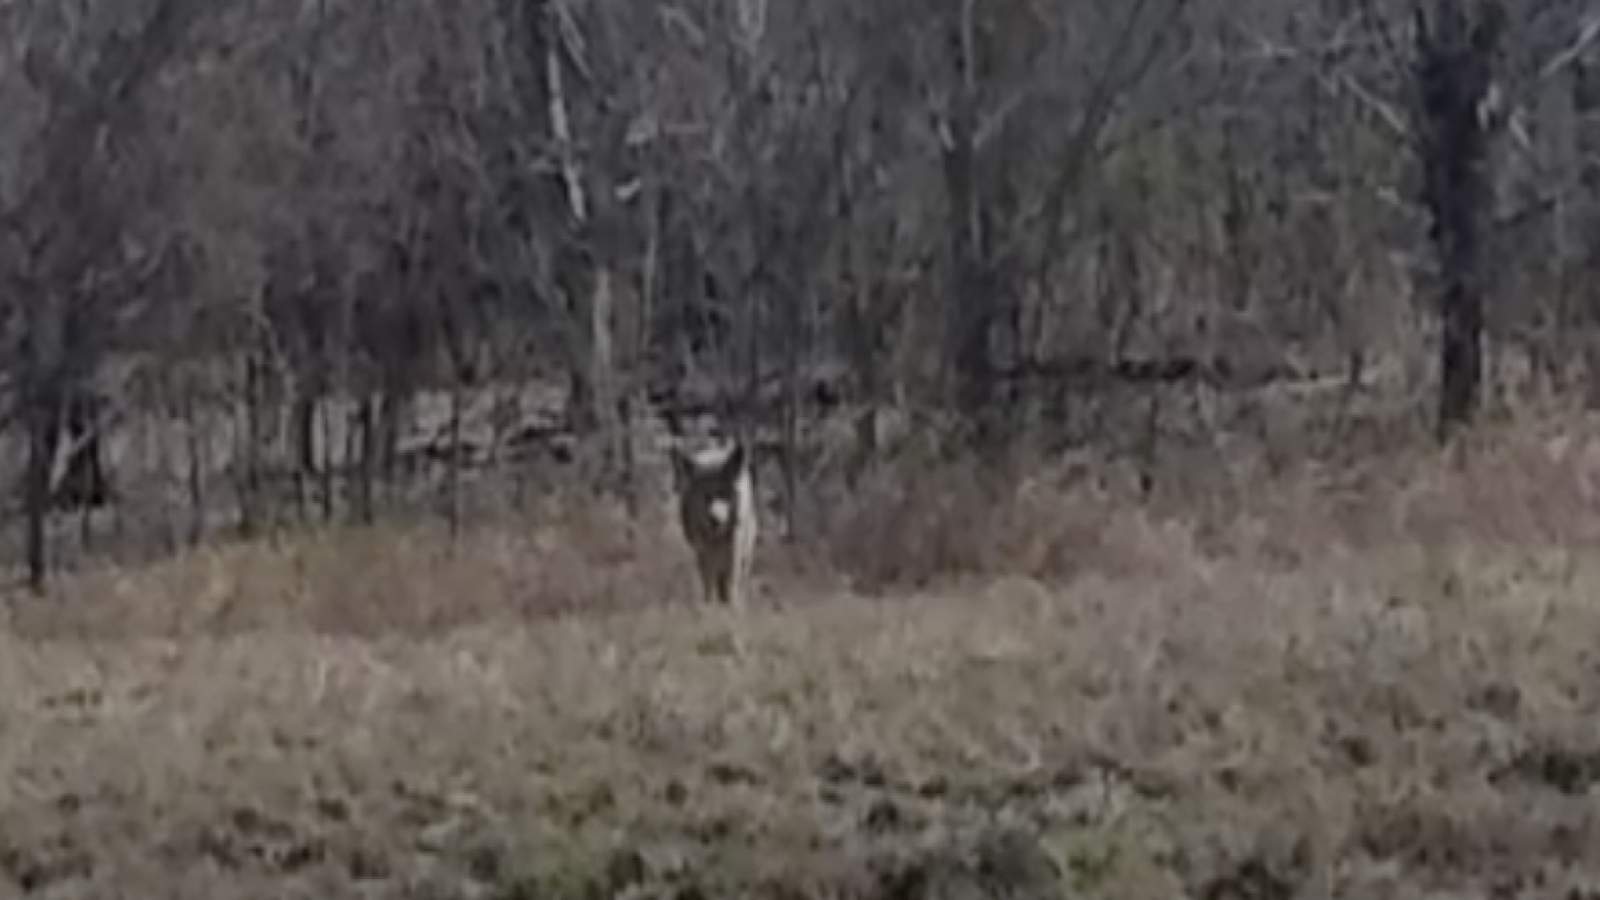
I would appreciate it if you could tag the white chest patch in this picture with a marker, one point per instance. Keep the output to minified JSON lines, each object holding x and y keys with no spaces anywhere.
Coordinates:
{"x":720,"y":510}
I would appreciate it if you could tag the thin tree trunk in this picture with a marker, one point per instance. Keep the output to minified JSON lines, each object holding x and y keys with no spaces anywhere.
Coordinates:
{"x":86,"y":528}
{"x":746,"y":419}
{"x":369,"y":460}
{"x":455,"y":460}
{"x":249,"y":481}
{"x":644,"y":322}
{"x":603,"y":375}
{"x":969,"y":307}
{"x":862,"y":325}
{"x":494,"y":464}
{"x":791,"y":417}
{"x":325,"y":419}
{"x":196,"y":474}
{"x":41,"y":421}
{"x":387,"y":442}
{"x":303,"y":426}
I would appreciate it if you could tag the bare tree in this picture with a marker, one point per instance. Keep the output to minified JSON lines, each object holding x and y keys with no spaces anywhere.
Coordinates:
{"x":66,"y":231}
{"x":1455,"y":53}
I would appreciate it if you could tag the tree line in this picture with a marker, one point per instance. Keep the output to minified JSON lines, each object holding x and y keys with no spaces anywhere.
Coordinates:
{"x":250,"y":246}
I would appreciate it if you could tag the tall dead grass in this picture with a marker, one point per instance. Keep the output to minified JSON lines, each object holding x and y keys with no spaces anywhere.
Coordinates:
{"x":1516,"y":485}
{"x":1366,"y":681}
{"x":912,"y":525}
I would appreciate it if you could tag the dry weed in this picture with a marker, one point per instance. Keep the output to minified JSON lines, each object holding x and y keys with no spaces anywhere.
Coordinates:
{"x":1349,"y":684}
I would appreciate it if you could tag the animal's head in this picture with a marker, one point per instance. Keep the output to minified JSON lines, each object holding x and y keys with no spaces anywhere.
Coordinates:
{"x":708,"y":487}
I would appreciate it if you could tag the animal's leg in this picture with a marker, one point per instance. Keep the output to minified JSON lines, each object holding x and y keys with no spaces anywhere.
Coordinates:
{"x":703,"y":575}
{"x":719,"y":572}
{"x":739,"y":583}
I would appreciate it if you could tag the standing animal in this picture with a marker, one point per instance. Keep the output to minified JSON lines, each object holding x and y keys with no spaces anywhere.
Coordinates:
{"x":717,"y":509}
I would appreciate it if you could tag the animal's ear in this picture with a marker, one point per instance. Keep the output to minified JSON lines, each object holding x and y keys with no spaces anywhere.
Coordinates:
{"x":682,"y":468}
{"x":735,"y":462}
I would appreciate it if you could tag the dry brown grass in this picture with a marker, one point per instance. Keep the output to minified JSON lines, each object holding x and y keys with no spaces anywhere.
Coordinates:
{"x":1373,"y":680}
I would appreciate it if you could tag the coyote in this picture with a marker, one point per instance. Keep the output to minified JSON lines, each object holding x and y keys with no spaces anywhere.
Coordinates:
{"x":717,"y":508}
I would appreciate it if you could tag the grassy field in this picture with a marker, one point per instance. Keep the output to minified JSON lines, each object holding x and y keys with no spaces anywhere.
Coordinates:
{"x":1370,"y":681}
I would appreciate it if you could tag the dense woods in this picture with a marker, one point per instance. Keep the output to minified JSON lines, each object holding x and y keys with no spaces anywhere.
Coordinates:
{"x":270,"y":264}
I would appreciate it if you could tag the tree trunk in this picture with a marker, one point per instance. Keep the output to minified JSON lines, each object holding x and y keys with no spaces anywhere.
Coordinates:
{"x":631,"y":400}
{"x":249,"y":479}
{"x":970,"y":315}
{"x":41,"y":452}
{"x":744,"y":415}
{"x":303,"y":424}
{"x":862,"y":323}
{"x":385,"y":447}
{"x":196,"y":473}
{"x":602,"y":372}
{"x":1455,"y":61}
{"x":455,"y":460}
{"x":792,"y":358}
{"x":325,"y":419}
{"x":359,"y":458}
